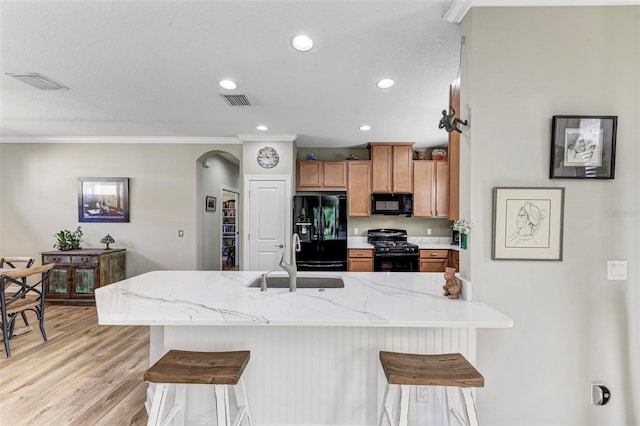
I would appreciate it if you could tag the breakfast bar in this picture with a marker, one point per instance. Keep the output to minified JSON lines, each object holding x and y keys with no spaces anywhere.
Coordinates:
{"x":314,"y":352}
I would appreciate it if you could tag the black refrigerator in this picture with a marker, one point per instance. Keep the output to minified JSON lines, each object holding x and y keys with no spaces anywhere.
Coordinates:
{"x":321,"y":223}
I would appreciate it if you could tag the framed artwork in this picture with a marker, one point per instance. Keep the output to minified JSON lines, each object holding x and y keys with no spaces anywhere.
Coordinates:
{"x":583,"y":147}
{"x":210,"y":204}
{"x":527,"y":223}
{"x":103,"y":199}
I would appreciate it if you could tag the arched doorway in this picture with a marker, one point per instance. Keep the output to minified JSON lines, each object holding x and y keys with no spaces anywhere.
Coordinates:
{"x":217,"y":175}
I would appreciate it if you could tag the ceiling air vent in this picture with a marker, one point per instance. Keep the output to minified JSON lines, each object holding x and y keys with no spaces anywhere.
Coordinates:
{"x":38,"y":81}
{"x":236,"y":100}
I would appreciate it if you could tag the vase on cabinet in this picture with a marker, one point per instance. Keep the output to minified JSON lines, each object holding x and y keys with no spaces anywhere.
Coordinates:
{"x":463,"y":241}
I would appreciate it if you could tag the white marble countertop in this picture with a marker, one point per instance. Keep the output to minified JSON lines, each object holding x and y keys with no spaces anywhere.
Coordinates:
{"x":438,"y":243}
{"x":369,"y":299}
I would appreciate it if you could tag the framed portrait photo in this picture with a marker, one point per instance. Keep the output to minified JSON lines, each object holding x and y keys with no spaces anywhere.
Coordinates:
{"x":210,"y":204}
{"x":583,"y":147}
{"x":527,"y":223}
{"x":103,"y":199}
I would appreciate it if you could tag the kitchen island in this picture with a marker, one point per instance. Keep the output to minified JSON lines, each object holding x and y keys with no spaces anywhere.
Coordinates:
{"x":314,"y":352}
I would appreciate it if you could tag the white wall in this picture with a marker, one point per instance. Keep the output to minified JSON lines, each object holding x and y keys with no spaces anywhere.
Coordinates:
{"x":522,"y":66}
{"x":38,"y":191}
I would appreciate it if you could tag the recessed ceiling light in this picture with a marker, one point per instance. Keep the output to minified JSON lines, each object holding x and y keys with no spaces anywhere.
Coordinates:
{"x":385,"y":83}
{"x":227,"y":84}
{"x":302,"y":43}
{"x":262,"y":127}
{"x":365,"y":127}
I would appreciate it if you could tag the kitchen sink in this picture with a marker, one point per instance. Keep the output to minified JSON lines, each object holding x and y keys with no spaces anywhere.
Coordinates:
{"x":317,"y":281}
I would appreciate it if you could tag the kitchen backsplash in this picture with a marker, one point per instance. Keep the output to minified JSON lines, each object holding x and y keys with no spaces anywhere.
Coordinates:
{"x":416,"y":227}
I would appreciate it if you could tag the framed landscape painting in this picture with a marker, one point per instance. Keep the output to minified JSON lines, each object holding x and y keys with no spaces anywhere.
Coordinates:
{"x":103,"y":199}
{"x":527,"y":223}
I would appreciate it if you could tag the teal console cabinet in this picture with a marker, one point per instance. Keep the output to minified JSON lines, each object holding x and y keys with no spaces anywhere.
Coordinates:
{"x":79,"y":272}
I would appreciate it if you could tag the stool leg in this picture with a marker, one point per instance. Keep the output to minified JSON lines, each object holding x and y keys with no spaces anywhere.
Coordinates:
{"x":405,"y":391}
{"x":222,"y":404}
{"x":243,"y":406}
{"x":389,"y":400}
{"x":157,"y":407}
{"x":181,"y":403}
{"x":469,"y":406}
{"x":451,"y":397}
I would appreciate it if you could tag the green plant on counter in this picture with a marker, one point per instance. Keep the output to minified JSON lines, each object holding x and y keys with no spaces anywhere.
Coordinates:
{"x":68,"y":240}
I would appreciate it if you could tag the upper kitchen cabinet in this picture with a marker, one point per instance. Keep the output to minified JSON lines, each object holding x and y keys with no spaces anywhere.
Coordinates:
{"x":359,"y":188}
{"x":431,"y":188}
{"x":321,"y":175}
{"x":391,"y":164}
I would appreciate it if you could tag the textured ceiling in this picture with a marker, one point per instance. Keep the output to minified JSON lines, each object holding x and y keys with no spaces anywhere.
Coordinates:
{"x":151,"y":68}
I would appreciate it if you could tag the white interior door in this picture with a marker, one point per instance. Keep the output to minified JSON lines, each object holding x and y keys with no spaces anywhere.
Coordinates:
{"x":269,"y":222}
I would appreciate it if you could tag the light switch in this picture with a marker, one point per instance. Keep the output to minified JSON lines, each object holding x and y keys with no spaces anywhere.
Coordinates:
{"x":181,"y":233}
{"x":616,"y":270}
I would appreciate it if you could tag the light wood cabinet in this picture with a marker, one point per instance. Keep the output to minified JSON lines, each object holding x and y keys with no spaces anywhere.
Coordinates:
{"x":391,"y":167}
{"x":79,"y":272}
{"x":433,"y":260}
{"x":454,"y":259}
{"x":360,"y":260}
{"x":454,"y":156}
{"x":321,"y":175}
{"x":359,"y":188}
{"x":430,"y":188}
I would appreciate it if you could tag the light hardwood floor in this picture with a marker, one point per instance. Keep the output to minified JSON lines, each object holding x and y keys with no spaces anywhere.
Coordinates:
{"x":86,"y":374}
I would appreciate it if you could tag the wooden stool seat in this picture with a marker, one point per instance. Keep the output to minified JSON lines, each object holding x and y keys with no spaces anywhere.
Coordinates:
{"x":204,"y":368}
{"x":451,"y":371}
{"x":430,"y":370}
{"x":180,"y":368}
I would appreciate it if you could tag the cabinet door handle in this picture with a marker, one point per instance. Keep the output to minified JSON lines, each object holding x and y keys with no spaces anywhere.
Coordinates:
{"x":434,"y":254}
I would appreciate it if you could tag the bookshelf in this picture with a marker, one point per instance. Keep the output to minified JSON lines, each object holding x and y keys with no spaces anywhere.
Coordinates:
{"x":229,"y":234}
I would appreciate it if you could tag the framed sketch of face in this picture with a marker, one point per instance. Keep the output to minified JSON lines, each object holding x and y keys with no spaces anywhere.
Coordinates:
{"x":527,"y":223}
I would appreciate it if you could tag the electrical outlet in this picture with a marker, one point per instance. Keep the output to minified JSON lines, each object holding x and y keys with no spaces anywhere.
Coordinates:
{"x":181,"y":233}
{"x":421,"y":394}
{"x":428,"y":231}
{"x":355,"y":231}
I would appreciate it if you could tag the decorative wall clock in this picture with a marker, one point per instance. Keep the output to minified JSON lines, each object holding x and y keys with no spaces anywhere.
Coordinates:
{"x":268,"y":157}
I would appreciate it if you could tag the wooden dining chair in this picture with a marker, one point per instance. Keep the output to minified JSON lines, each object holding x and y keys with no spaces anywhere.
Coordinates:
{"x":28,"y":297}
{"x":16,"y":262}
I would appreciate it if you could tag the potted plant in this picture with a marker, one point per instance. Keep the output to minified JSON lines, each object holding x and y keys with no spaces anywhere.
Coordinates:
{"x":68,"y":240}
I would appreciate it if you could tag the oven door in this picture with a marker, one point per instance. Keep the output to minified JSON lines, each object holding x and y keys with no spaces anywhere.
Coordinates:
{"x":401,"y":262}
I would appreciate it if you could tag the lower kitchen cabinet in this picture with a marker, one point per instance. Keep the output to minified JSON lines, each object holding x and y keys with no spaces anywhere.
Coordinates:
{"x":360,"y":260}
{"x":433,"y":260}
{"x":79,"y":272}
{"x":454,"y":259}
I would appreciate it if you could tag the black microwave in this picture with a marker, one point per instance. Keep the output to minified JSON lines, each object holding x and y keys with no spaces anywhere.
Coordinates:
{"x":392,"y":204}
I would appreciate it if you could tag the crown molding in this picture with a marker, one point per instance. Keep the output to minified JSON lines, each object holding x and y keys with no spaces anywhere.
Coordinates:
{"x":456,"y":11}
{"x":121,"y":139}
{"x":459,"y":8}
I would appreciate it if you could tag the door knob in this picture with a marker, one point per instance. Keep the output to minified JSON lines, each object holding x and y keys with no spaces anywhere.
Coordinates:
{"x":279,"y":245}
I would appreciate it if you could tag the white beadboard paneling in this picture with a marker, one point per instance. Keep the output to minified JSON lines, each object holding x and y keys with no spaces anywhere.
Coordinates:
{"x":317,"y":375}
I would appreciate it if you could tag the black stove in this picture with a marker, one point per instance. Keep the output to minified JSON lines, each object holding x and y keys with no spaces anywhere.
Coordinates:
{"x":392,"y":252}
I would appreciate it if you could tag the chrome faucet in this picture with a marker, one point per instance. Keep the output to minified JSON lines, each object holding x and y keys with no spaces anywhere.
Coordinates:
{"x":291,"y":268}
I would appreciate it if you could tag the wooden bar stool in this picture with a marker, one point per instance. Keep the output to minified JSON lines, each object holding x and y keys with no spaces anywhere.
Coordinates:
{"x":450,"y":370}
{"x":179,"y":368}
